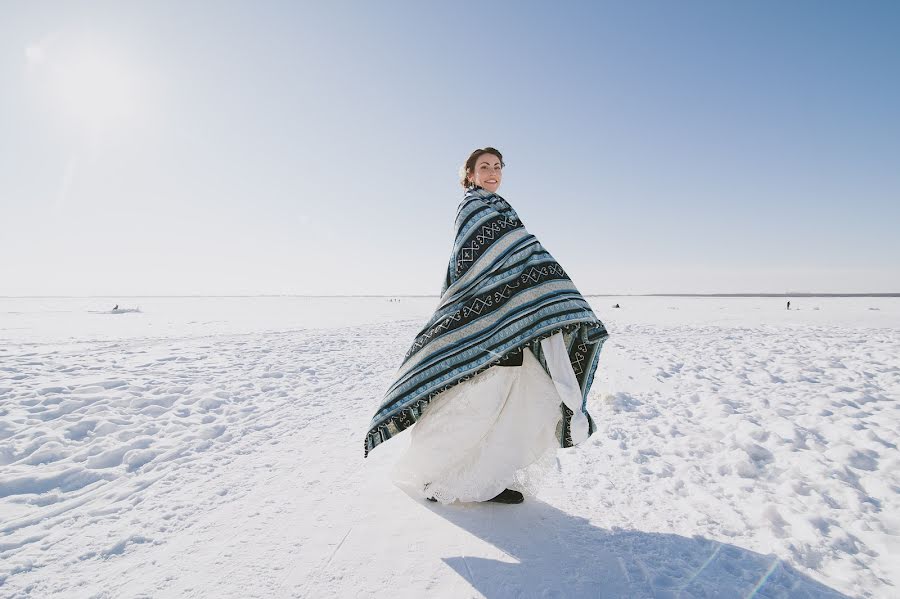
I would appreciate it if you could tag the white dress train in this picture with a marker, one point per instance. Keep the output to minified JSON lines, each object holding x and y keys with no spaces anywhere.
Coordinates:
{"x":495,"y":431}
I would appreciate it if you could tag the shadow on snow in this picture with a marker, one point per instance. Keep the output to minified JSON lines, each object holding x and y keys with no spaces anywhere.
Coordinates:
{"x":555,"y":554}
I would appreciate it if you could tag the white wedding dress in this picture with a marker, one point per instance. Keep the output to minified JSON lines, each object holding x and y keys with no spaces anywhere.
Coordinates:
{"x":495,"y":431}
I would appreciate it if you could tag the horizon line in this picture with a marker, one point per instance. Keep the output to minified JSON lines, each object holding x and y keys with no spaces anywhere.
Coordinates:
{"x":413,"y":295}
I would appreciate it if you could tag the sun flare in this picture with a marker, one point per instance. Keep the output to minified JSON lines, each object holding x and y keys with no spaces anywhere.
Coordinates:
{"x":94,"y":87}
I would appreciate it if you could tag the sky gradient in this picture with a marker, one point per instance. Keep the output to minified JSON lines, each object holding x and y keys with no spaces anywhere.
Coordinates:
{"x":237,"y":148}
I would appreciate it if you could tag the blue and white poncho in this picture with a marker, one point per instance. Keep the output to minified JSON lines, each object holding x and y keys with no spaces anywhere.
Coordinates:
{"x":503,"y":292}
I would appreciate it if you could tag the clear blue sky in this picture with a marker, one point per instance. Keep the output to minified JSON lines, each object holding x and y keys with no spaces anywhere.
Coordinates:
{"x":254,"y":148}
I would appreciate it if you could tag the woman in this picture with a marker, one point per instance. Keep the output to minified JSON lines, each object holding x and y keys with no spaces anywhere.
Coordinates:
{"x":499,"y":376}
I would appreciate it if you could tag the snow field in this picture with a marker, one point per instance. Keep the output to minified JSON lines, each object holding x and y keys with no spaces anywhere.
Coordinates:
{"x":739,"y":453}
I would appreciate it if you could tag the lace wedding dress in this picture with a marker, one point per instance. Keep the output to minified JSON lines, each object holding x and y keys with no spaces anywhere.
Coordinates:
{"x":495,"y":431}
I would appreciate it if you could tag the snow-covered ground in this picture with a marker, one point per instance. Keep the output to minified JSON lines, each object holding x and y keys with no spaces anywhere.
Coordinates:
{"x":212,"y":447}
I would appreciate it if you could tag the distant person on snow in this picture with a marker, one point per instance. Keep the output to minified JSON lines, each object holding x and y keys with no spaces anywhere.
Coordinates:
{"x":616,"y":306}
{"x":490,"y":386}
{"x":789,"y":306}
{"x":116,"y":308}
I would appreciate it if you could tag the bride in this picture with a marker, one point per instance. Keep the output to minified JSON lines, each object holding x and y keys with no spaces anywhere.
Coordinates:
{"x":499,"y":376}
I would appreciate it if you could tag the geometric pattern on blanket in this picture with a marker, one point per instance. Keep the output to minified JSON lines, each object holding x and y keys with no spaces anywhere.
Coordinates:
{"x":503,"y":292}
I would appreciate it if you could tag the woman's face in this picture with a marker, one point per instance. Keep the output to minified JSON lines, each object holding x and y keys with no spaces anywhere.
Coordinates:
{"x":488,"y":172}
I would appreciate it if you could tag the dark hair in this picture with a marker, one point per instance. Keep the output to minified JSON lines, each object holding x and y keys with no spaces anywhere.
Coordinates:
{"x":469,"y":167}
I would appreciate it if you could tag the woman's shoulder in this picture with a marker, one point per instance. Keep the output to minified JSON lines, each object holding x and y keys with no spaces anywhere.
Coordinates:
{"x":471,"y":197}
{"x":476,"y":207}
{"x":488,"y":198}
{"x":480,"y":193}
{"x":473,"y":201}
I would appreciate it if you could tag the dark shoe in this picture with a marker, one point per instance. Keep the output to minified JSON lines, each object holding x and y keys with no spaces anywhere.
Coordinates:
{"x":508,"y":496}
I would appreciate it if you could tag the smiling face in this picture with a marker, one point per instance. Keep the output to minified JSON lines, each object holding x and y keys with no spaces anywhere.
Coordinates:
{"x":487,"y":173}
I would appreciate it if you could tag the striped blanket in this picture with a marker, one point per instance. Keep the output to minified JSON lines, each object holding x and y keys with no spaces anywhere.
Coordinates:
{"x":503,"y":292}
